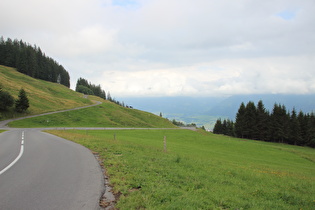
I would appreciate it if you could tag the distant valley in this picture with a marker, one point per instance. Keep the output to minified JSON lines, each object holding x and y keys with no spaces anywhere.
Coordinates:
{"x":205,"y":110}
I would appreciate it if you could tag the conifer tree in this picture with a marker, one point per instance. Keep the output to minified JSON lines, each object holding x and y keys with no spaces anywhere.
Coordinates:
{"x":22,"y":103}
{"x":262,"y":123}
{"x":311,"y":130}
{"x":250,"y":120}
{"x":240,"y":121}
{"x":303,"y":121}
{"x":279,"y":123}
{"x":218,"y":127}
{"x":230,"y":128}
{"x":295,"y":130}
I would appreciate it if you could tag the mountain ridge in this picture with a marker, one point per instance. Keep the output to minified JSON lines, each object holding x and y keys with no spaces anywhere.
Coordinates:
{"x":205,"y":110}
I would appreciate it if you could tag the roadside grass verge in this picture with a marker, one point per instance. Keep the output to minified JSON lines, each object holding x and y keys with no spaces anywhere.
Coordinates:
{"x":1,"y":131}
{"x":201,"y":170}
{"x":106,"y":114}
{"x":43,"y":96}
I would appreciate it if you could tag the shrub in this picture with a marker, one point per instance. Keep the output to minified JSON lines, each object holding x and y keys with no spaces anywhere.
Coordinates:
{"x":6,"y":100}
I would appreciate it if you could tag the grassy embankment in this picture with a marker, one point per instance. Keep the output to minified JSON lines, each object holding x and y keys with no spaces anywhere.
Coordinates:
{"x":43,"y":96}
{"x":107,"y":114}
{"x":201,"y":170}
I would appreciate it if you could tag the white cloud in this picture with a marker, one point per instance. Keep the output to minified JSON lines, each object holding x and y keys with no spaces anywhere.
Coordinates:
{"x":227,"y":77}
{"x":87,"y":41}
{"x":178,"y":47}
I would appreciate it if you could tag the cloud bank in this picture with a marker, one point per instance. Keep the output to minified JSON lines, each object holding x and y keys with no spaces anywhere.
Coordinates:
{"x":171,"y":48}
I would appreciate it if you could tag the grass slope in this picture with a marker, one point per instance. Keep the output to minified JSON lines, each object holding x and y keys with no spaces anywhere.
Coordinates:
{"x":43,"y":96}
{"x":107,"y":114}
{"x":201,"y":170}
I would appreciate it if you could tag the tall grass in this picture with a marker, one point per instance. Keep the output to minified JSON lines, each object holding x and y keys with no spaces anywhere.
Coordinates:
{"x":201,"y":170}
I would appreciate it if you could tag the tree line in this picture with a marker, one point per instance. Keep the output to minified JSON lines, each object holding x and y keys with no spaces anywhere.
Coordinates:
{"x":30,"y":60}
{"x":281,"y":125}
{"x":87,"y":88}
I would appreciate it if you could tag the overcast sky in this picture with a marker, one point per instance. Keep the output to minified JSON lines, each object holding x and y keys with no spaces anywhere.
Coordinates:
{"x":173,"y":47}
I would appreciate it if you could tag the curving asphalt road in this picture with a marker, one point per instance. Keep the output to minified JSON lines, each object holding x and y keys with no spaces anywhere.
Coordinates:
{"x":42,"y":171}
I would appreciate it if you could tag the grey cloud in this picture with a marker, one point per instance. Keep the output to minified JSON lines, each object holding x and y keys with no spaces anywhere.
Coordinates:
{"x":242,"y":46}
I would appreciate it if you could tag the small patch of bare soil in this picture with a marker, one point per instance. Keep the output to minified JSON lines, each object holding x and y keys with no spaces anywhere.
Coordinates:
{"x":108,"y":199}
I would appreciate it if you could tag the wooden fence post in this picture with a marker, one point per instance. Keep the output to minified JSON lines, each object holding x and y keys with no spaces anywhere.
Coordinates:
{"x":165,"y":144}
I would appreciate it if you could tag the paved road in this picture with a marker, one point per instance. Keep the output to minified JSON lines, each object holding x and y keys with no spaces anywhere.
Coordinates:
{"x":52,"y":173}
{"x":42,"y":171}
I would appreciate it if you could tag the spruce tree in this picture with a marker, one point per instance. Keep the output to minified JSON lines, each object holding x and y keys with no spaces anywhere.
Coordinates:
{"x":250,"y":120}
{"x":230,"y":128}
{"x":295,"y":129}
{"x":302,"y":119}
{"x":311,"y":131}
{"x":22,"y":103}
{"x":262,"y":122}
{"x":279,"y":123}
{"x":218,"y":127}
{"x":240,"y":121}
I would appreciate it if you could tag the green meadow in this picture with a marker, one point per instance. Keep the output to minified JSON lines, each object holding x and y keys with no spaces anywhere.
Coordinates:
{"x":106,"y":114}
{"x":201,"y":170}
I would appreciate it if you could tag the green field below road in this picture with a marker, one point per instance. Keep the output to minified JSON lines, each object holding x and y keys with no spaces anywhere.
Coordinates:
{"x":106,"y":114}
{"x":201,"y":170}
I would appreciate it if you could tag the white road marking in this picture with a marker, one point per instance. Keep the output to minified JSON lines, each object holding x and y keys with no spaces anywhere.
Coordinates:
{"x":17,"y":158}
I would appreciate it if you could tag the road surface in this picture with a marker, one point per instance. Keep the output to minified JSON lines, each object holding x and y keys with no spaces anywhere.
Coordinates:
{"x":42,"y":171}
{"x":52,"y":173}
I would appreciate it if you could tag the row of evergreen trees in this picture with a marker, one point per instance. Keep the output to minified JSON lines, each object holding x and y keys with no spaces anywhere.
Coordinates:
{"x":32,"y":61}
{"x":255,"y":122}
{"x":86,"y":87}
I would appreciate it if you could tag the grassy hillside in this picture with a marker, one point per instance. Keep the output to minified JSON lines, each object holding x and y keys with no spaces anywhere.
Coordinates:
{"x":201,"y":170}
{"x":43,"y":96}
{"x":47,"y":97}
{"x":107,"y":114}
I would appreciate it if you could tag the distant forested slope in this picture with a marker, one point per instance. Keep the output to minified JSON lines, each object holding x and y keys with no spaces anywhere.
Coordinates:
{"x":30,"y":60}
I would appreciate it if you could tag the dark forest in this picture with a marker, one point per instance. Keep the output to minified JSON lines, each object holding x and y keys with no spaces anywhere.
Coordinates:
{"x":281,"y":125}
{"x":30,"y":60}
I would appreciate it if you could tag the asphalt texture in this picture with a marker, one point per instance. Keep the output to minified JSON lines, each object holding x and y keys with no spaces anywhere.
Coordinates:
{"x":52,"y":173}
{"x":42,"y":171}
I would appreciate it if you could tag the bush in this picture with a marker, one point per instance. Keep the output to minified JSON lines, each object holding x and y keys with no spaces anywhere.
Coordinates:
{"x":85,"y":90}
{"x":6,"y":100}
